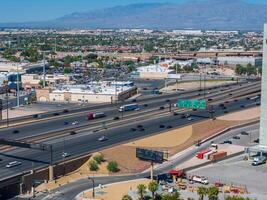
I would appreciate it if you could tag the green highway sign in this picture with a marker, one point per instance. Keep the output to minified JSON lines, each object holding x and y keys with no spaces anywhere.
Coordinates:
{"x":192,"y":104}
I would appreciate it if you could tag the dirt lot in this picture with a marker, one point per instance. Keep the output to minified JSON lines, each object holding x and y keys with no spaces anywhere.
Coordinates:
{"x":116,"y":191}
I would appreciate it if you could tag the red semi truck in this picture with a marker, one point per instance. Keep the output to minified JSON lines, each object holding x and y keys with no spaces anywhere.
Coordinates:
{"x":91,"y":116}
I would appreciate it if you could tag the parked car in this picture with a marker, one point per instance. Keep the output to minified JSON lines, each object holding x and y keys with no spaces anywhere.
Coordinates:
{"x":236,"y":137}
{"x":244,"y":133}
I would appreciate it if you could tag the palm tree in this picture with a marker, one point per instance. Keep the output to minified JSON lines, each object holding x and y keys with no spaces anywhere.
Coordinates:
{"x":127,"y":197}
{"x":213,"y":193}
{"x":201,"y":191}
{"x":153,"y":187}
{"x":141,"y":189}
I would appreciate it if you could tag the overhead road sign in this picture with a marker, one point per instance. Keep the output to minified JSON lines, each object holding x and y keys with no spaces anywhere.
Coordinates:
{"x":150,"y":155}
{"x":192,"y":104}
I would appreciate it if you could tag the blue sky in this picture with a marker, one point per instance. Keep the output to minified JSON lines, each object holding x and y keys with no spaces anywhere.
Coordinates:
{"x":35,"y":10}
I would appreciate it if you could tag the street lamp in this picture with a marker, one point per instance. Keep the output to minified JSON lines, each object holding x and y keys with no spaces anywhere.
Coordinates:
{"x":93,"y":181}
{"x":18,"y":92}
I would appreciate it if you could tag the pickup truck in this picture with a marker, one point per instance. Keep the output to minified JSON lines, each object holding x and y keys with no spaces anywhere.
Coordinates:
{"x":259,"y":160}
{"x":201,"y":180}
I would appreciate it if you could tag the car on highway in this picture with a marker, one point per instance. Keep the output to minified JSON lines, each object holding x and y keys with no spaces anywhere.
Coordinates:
{"x":15,"y":131}
{"x":145,"y":105}
{"x":236,"y":137}
{"x":139,"y":126}
{"x":189,"y":118}
{"x":116,"y":118}
{"x":169,"y":127}
{"x":13,"y":164}
{"x":73,"y":133}
{"x":75,"y":123}
{"x":133,"y":129}
{"x":162,"y":126}
{"x":65,"y":155}
{"x":161,"y":108}
{"x":102,"y":139}
{"x":65,"y":111}
{"x":66,"y":123}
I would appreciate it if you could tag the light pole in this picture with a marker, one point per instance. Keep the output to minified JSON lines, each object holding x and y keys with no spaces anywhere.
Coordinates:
{"x":93,"y":181}
{"x":43,"y":70}
{"x":18,"y":92}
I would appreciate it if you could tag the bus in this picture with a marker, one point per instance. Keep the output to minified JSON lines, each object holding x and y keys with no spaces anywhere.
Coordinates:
{"x":129,"y":107}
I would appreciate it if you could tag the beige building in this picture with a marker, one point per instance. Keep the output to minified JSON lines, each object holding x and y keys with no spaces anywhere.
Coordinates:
{"x":33,"y":80}
{"x":85,"y":93}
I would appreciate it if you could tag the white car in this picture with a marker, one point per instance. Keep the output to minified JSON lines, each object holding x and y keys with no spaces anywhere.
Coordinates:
{"x":75,"y":123}
{"x":13,"y":164}
{"x":65,"y":155}
{"x":102,"y":139}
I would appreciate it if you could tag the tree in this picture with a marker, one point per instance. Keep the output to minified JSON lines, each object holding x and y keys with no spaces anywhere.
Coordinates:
{"x":153,"y":187}
{"x":99,"y":158}
{"x":127,"y":197}
{"x":240,"y":70}
{"x":201,"y":191}
{"x":213,"y":193}
{"x":67,"y":70}
{"x":93,"y":165}
{"x":113,"y":166}
{"x":173,"y":196}
{"x":141,"y":190}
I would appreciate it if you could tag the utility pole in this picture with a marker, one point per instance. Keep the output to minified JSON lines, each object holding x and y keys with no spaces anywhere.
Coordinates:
{"x":43,"y":70}
{"x":33,"y":181}
{"x":18,"y":92}
{"x":7,"y":106}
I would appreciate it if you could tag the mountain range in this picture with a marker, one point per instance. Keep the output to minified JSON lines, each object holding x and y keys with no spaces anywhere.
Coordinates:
{"x":195,"y":14}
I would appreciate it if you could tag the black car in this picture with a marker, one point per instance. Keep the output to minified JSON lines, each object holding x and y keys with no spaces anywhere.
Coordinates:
{"x":139,"y":126}
{"x":116,"y":118}
{"x":243,"y":106}
{"x":65,"y":111}
{"x":257,"y":140}
{"x":56,"y":114}
{"x":145,"y":105}
{"x":168,"y":100}
{"x":141,"y":129}
{"x":162,"y":126}
{"x":134,"y":100}
{"x":133,"y":129}
{"x":169,"y":127}
{"x":73,"y":133}
{"x":175,"y":114}
{"x":244,"y":133}
{"x":161,"y":108}
{"x":227,"y":142}
{"x":15,"y":131}
{"x":236,"y":137}
{"x":226,"y":111}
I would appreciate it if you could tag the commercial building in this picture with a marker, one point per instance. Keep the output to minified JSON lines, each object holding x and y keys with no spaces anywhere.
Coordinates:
{"x":156,"y":71}
{"x":92,"y":93}
{"x":33,"y":80}
{"x":23,"y":67}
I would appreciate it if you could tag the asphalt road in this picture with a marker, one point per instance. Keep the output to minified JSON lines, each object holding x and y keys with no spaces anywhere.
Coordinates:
{"x":70,"y":191}
{"x":57,"y":123}
{"x":88,"y":141}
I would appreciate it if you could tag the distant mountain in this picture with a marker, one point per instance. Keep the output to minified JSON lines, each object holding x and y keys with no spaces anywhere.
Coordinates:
{"x":196,"y":14}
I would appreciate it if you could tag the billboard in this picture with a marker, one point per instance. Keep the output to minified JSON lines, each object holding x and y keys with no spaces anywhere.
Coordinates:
{"x":192,"y":104}
{"x":150,"y":155}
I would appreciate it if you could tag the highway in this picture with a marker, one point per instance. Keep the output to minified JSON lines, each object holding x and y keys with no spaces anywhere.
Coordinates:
{"x":56,"y":124}
{"x":76,"y":110}
{"x":87,"y":141}
{"x":71,"y":190}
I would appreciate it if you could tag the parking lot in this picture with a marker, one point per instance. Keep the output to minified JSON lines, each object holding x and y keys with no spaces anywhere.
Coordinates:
{"x":238,"y":172}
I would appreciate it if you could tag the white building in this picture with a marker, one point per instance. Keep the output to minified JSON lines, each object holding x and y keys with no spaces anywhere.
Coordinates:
{"x":156,"y":71}
{"x":92,"y":93}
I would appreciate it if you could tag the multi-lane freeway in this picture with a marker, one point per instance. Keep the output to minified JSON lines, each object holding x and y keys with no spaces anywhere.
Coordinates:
{"x":87,"y":138}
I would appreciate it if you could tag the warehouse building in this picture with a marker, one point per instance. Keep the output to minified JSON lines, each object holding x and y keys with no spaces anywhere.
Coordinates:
{"x":103,"y":92}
